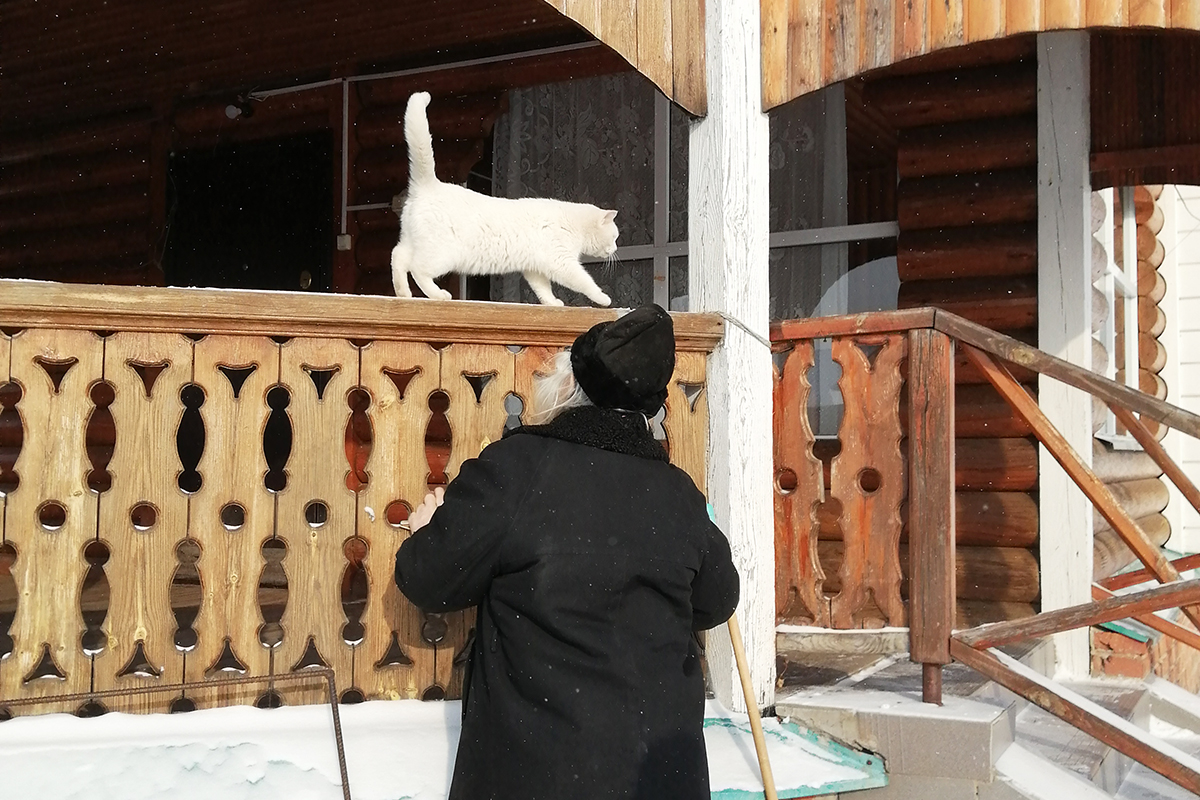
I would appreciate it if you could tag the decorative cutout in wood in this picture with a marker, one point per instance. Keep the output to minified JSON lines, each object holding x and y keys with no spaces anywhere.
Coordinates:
{"x":8,"y":598}
{"x":394,"y":656}
{"x":799,"y":490}
{"x":148,"y":372}
{"x":186,"y":586}
{"x":95,"y":598}
{"x":868,"y":478}
{"x":12,"y":436}
{"x":101,"y":437}
{"x":686,"y":422}
{"x":359,"y":439}
{"x":190,"y":438}
{"x":272,"y":592}
{"x":139,"y":664}
{"x":237,"y":376}
{"x":56,"y":369}
{"x":277,"y":439}
{"x":321,"y":376}
{"x":46,"y":668}
{"x":355,"y":590}
{"x":227,"y":661}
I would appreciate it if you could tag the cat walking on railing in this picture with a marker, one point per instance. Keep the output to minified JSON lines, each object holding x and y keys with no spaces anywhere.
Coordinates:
{"x":448,"y":228}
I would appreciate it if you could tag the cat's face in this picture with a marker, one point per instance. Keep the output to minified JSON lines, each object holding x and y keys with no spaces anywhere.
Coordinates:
{"x":603,"y":241}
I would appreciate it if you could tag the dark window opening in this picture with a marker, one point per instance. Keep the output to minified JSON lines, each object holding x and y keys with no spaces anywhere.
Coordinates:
{"x":252,"y":215}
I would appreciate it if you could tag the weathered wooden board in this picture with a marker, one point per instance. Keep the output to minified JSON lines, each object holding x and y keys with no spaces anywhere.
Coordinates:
{"x":686,"y":420}
{"x":400,"y":377}
{"x":233,"y":514}
{"x":316,"y":479}
{"x":143,"y":516}
{"x":53,"y":467}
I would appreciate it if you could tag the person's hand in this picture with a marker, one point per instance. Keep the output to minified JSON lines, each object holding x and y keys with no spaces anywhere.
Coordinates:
{"x":421,"y":515}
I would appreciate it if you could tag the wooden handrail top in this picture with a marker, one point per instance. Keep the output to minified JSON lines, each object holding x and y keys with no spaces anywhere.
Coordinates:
{"x":44,"y":304}
{"x":1171,"y":595}
{"x":997,"y":344}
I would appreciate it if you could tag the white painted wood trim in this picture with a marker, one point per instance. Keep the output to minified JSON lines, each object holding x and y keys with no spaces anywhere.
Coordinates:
{"x":1171,"y":374}
{"x":1065,"y":325}
{"x":728,"y":205}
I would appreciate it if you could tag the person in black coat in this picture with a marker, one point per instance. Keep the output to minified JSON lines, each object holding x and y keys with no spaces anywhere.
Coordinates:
{"x":593,"y":563}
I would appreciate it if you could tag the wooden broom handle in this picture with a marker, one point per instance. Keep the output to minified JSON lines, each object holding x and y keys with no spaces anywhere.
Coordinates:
{"x":760,"y":742}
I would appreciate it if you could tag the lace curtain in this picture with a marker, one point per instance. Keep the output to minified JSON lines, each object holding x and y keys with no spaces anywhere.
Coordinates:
{"x":588,"y":141}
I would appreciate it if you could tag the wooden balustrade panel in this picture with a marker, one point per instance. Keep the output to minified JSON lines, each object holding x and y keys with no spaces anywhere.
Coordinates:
{"x":686,"y":421}
{"x":798,"y":574}
{"x":530,"y":362}
{"x":474,"y":423}
{"x":7,"y":604}
{"x":316,"y":478}
{"x":143,"y":515}
{"x":53,"y":467}
{"x":235,"y":373}
{"x":868,"y":478}
{"x":400,"y":377}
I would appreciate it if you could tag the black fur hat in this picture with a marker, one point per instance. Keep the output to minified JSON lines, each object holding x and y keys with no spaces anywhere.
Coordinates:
{"x":627,"y":363}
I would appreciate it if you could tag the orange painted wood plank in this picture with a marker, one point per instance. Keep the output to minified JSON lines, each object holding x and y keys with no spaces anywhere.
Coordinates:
{"x":775,"y":66}
{"x":655,"y":43}
{"x":806,"y":32}
{"x":1022,"y":16}
{"x":841,"y":39}
{"x":912,"y":30}
{"x":1148,"y":13}
{"x":1062,"y":14}
{"x":1107,"y":12}
{"x":985,"y":20}
{"x":690,"y":78}
{"x":618,"y":27}
{"x":945,"y":24}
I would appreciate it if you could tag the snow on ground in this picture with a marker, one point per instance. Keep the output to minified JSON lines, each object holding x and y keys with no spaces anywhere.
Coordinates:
{"x":395,"y":750}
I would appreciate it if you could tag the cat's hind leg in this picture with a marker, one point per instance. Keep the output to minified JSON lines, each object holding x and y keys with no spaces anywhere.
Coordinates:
{"x":400,"y":260}
{"x":542,"y":288}
{"x":574,"y":276}
{"x":431,"y":289}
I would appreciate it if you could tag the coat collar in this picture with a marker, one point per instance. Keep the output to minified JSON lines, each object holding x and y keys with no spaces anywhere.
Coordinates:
{"x":615,"y":431}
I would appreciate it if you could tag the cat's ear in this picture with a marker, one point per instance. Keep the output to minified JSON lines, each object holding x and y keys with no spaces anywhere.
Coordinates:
{"x":609,"y":216}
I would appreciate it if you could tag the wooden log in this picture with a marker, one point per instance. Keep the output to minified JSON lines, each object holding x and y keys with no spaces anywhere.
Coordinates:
{"x":1012,"y":350}
{"x":1110,"y":555}
{"x":966,"y":373}
{"x":1008,"y":304}
{"x":1147,"y":243}
{"x":72,"y":210}
{"x":1139,"y":498}
{"x":373,"y":249}
{"x":1087,"y":717}
{"x":1118,"y":466}
{"x":1149,"y":383}
{"x":981,"y":198}
{"x":994,"y":574}
{"x":36,"y":250}
{"x":964,"y":147}
{"x":1152,"y":356}
{"x":128,"y":270}
{"x":377,"y":219}
{"x":998,"y":465}
{"x":388,"y":166}
{"x":981,"y":519}
{"x":978,"y":251}
{"x":126,"y":130}
{"x":970,"y":613}
{"x":1151,"y":319}
{"x":932,"y":99}
{"x":52,"y":176}
{"x":1174,"y":473}
{"x":1080,"y":473}
{"x":1151,"y":284}
{"x":208,"y":116}
{"x":980,"y":412}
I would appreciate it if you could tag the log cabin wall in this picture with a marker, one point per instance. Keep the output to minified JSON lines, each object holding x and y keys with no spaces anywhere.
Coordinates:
{"x":810,"y":44}
{"x":967,"y":210}
{"x":1133,"y":476}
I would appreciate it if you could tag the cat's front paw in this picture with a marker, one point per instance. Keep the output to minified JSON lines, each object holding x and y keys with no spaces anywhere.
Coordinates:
{"x":442,"y":294}
{"x":603,"y":299}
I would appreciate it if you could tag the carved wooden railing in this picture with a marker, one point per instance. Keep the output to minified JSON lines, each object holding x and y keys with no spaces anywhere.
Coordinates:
{"x":199,"y":482}
{"x":870,"y":484}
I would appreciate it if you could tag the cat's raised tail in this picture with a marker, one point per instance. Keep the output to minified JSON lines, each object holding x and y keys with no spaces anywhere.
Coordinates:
{"x":420,"y":141}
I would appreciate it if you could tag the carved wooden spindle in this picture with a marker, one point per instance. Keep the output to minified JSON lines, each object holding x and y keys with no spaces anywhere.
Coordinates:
{"x":799,"y":489}
{"x":53,"y":466}
{"x":143,"y":515}
{"x":233,"y":513}
{"x":319,"y":373}
{"x":868,"y":478}
{"x":400,"y":377}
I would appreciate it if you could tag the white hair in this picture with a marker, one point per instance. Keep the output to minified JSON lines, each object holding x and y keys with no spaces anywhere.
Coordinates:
{"x":555,"y":389}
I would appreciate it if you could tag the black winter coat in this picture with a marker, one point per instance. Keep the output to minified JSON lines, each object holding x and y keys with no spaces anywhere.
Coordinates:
{"x":592,"y":562}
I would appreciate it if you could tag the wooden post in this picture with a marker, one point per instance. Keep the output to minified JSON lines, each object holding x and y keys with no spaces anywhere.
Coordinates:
{"x":931,"y":503}
{"x":727,"y":257}
{"x":1064,"y":322}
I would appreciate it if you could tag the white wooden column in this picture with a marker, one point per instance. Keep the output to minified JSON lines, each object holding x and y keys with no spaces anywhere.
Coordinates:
{"x":1065,"y":325}
{"x":727,"y":272}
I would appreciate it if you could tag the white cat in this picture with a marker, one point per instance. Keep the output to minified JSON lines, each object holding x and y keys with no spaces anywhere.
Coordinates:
{"x":447,"y":228}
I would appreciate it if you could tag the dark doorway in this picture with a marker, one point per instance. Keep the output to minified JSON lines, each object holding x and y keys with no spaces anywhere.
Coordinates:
{"x":252,"y":215}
